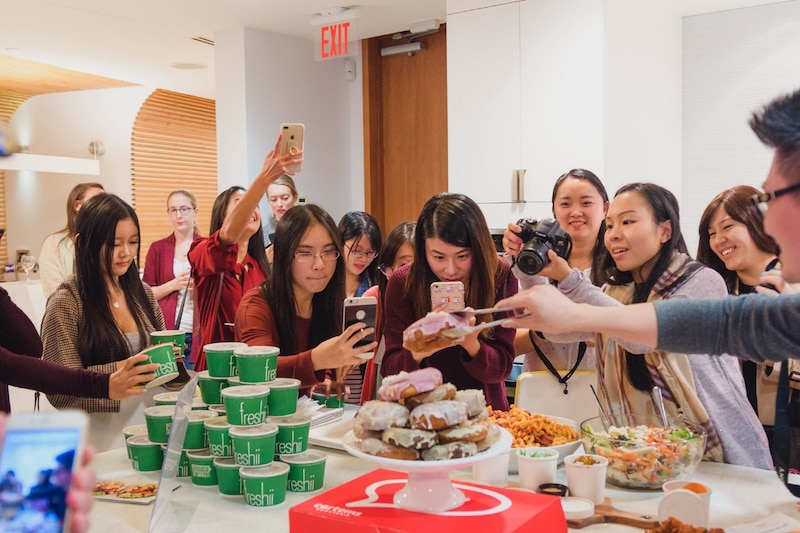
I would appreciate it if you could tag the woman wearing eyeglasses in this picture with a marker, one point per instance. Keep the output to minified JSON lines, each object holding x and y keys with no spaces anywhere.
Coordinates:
{"x":362,"y":240}
{"x":166,"y":268}
{"x":299,"y":308}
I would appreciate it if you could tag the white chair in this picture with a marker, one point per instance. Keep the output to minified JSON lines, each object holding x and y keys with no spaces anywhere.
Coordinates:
{"x":540,"y":392}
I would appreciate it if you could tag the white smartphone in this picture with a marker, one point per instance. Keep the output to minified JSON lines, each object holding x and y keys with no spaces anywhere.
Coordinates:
{"x":361,"y":309}
{"x":40,"y":452}
{"x":292,"y":141}
{"x":447,"y":293}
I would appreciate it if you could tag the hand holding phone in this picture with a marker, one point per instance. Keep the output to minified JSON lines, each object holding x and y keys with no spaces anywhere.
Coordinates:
{"x":449,"y":294}
{"x":361,"y":309}
{"x":292,"y":142}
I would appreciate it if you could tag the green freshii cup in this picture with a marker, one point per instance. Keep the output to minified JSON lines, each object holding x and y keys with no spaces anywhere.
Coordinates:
{"x":230,"y":483}
{"x":219,"y":358}
{"x":130,"y":431}
{"x":218,"y":408}
{"x":265,"y":486}
{"x":201,"y":466}
{"x":167,"y":370}
{"x":246,"y":405}
{"x":306,"y":471}
{"x":176,"y":336}
{"x":219,"y":440}
{"x":330,"y":401}
{"x":195,"y":437}
{"x":158,"y":420}
{"x":210,"y":388}
{"x":146,"y":455}
{"x":253,"y":445}
{"x":283,"y":396}
{"x":292,"y":433}
{"x":183,"y":469}
{"x":257,"y":364}
{"x":166,"y":398}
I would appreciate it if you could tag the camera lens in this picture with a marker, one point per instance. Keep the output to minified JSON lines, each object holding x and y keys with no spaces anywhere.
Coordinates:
{"x":531,"y":260}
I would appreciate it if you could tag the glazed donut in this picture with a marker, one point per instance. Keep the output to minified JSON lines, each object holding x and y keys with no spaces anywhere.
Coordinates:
{"x":378,"y":415}
{"x":445,"y":391}
{"x":381,"y":449}
{"x":426,"y":333}
{"x":361,"y":429}
{"x":438,"y":415}
{"x":418,"y":439}
{"x":453,"y":450}
{"x":469,"y":431}
{"x":493,"y":434}
{"x":475,"y":400}
{"x":406,"y":384}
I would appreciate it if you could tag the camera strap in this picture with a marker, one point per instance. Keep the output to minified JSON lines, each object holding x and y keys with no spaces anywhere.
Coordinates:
{"x":561,"y":379}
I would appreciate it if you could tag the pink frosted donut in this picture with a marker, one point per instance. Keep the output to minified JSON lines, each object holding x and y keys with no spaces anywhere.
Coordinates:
{"x":406,"y":384}
{"x":426,"y":333}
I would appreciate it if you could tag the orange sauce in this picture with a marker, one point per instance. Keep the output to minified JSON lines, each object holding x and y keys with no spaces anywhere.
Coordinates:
{"x":696,"y":488}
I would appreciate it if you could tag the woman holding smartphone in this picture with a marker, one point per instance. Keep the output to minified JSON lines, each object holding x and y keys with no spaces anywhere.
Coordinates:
{"x":452,"y":243}
{"x":299,"y":308}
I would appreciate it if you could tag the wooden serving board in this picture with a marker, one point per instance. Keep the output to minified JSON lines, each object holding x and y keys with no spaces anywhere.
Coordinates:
{"x":606,"y":512}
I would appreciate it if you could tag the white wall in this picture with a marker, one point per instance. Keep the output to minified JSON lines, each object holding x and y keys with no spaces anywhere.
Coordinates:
{"x":63,"y":124}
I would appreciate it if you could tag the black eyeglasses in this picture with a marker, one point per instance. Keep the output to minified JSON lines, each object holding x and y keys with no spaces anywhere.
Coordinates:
{"x":173,"y":211}
{"x":762,"y":200}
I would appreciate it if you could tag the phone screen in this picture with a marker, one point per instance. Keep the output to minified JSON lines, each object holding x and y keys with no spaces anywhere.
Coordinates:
{"x":449,"y":294}
{"x":361,"y":309}
{"x":35,"y":475}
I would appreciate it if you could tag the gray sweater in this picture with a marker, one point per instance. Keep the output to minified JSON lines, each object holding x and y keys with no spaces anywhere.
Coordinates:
{"x":754,"y":326}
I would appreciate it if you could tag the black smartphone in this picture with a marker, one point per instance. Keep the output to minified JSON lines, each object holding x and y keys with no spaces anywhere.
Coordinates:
{"x":361,"y":309}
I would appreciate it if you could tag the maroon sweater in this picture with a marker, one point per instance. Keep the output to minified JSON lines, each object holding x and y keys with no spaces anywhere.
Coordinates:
{"x":18,"y":336}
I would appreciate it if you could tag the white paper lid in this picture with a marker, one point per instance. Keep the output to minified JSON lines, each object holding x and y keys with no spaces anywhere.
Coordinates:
{"x":577,"y":508}
{"x":685,"y":506}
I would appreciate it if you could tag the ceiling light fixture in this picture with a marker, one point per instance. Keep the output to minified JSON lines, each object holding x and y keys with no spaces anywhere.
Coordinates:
{"x":334,"y":14}
{"x":409,"y":49}
{"x":188,"y":66}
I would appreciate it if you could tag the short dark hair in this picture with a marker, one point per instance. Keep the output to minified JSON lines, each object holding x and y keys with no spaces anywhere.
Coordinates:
{"x":777,"y":125}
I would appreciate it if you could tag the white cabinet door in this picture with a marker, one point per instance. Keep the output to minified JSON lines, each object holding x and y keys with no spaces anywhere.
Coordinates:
{"x":483,"y":100}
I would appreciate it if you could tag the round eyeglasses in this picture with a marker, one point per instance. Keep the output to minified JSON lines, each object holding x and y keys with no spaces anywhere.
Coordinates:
{"x":173,"y":211}
{"x":307,"y":257}
{"x":358,"y":254}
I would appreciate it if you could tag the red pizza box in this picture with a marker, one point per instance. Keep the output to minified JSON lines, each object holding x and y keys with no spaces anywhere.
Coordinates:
{"x":365,"y":504}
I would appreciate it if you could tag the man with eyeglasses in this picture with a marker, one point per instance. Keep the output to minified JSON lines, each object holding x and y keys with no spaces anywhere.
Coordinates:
{"x":755,"y":326}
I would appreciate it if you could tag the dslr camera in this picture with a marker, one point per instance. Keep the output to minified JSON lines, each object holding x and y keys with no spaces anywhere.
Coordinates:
{"x":539,"y":236}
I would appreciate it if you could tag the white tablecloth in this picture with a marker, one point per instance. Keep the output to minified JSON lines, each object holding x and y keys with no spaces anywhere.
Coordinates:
{"x":739,"y":495}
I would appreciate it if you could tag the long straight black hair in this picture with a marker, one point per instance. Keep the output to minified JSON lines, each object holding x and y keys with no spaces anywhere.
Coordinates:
{"x":255,"y":246}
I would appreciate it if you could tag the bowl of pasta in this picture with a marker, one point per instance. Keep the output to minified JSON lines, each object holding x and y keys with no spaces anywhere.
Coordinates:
{"x":642,"y":452}
{"x":535,"y":430}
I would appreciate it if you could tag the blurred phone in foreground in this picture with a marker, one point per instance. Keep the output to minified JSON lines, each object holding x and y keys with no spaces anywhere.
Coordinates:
{"x":447,"y":293}
{"x":292,"y":142}
{"x":40,"y":452}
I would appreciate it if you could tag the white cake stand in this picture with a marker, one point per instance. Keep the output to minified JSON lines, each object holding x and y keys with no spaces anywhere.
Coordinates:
{"x":428,"y":489}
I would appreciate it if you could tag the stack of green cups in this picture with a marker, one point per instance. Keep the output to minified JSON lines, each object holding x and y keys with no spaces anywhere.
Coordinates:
{"x":265,"y":486}
{"x":219,"y":358}
{"x":256,"y":364}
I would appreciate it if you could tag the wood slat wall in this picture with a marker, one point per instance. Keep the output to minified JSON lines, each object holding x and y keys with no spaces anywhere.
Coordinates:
{"x":173,"y":146}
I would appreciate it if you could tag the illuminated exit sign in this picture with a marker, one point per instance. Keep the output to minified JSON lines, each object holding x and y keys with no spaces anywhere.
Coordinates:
{"x":337,"y":39}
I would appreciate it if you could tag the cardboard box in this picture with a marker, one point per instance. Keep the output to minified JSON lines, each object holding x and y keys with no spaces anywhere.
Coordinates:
{"x":349,"y":508}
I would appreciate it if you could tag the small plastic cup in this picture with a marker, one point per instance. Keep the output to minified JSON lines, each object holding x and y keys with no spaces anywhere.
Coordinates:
{"x":211,"y":388}
{"x":167,"y":370}
{"x":219,"y":440}
{"x":536,"y":466}
{"x":201,"y":464}
{"x":228,"y":478}
{"x":292,"y":433}
{"x":586,"y":480}
{"x":283,"y":396}
{"x":257,"y":364}
{"x":147,"y":456}
{"x":265,"y":486}
{"x":253,"y":445}
{"x":195,"y":437}
{"x":219,"y":358}
{"x":246,"y":405}
{"x":175,"y":336}
{"x":306,"y":471}
{"x":492,"y":471}
{"x":159,"y":421}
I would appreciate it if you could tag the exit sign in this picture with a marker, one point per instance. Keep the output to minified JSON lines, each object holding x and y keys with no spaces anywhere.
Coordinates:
{"x":336,"y":39}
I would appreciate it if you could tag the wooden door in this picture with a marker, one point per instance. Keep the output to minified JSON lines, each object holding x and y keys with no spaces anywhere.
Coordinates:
{"x":405,"y":127}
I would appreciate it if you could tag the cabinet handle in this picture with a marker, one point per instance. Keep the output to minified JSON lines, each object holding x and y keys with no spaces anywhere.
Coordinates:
{"x":518,"y":185}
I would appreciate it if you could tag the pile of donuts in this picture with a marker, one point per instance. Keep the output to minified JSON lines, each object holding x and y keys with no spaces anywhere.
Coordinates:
{"x":420,"y":417}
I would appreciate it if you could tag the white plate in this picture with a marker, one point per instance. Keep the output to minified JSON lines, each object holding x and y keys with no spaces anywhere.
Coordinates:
{"x":129,"y":477}
{"x":331,"y":435}
{"x":562,"y":449}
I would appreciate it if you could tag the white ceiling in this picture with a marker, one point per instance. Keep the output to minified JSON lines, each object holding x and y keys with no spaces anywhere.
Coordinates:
{"x":138,"y":41}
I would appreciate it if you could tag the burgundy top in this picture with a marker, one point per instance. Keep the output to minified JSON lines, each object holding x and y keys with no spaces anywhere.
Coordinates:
{"x":158,"y":269}
{"x":18,"y":336}
{"x":255,"y":325}
{"x":486,"y":371}
{"x":210,"y":259}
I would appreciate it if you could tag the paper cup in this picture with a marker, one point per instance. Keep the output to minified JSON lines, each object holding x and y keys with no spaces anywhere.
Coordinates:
{"x":130,"y":431}
{"x":292,"y":435}
{"x":330,"y":401}
{"x":146,"y":455}
{"x":219,"y":440}
{"x":218,"y":408}
{"x":182,"y":468}
{"x":306,"y":471}
{"x":158,"y":420}
{"x":166,"y":398}
{"x":175,"y":336}
{"x":219,"y":358}
{"x":167,"y":370}
{"x":253,"y":445}
{"x":587,"y":481}
{"x":492,"y":471}
{"x":536,"y":466}
{"x":246,"y":405}
{"x":201,"y":465}
{"x":283,"y":396}
{"x":257,"y":364}
{"x":265,"y":486}
{"x":228,"y":478}
{"x":196,"y":437}
{"x":211,"y":388}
